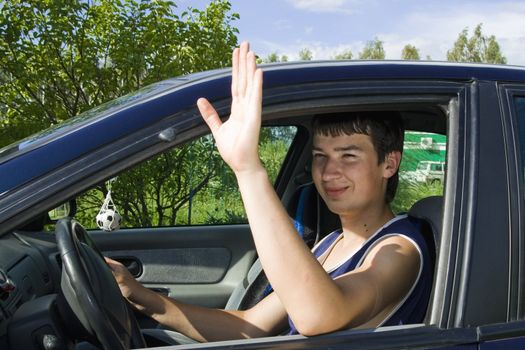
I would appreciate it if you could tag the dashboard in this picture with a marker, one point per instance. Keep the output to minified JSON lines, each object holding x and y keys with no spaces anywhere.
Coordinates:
{"x":28,"y":269}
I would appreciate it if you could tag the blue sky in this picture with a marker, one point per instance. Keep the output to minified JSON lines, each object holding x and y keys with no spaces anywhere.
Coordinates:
{"x":328,"y":27}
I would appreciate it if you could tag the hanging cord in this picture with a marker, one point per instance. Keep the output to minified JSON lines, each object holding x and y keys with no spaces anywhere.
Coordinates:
{"x":108,"y":218}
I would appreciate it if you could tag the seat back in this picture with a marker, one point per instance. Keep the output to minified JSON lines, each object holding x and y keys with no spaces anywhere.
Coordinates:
{"x":312,"y":218}
{"x":430,"y":210}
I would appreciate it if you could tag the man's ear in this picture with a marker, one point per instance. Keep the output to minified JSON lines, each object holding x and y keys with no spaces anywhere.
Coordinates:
{"x":391,"y":164}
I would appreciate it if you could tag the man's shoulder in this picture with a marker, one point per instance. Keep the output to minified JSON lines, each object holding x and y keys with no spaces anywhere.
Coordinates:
{"x":408,"y":227}
{"x":404,"y":224}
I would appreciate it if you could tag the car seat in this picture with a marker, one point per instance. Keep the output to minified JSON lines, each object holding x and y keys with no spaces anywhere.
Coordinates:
{"x":430,"y":210}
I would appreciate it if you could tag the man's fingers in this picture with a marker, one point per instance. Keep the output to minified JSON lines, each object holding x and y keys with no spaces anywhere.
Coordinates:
{"x":241,"y":89}
{"x":255,"y":97}
{"x":209,"y":114}
{"x":243,"y":68}
{"x":110,"y":262}
{"x":251,"y":66}
{"x":235,"y":72}
{"x":257,"y":86}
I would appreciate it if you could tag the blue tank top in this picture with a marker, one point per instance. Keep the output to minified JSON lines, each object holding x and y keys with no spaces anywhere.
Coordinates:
{"x":412,"y":308}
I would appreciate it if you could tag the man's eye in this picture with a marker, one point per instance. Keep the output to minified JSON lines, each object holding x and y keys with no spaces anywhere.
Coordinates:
{"x":348,"y":155}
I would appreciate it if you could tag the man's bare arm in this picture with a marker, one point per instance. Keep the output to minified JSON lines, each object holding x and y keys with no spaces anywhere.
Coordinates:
{"x":202,"y":324}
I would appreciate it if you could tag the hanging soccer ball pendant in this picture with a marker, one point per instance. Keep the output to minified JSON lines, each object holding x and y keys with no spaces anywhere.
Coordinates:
{"x":108,"y":218}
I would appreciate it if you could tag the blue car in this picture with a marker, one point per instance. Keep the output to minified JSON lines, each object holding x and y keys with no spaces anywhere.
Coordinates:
{"x":139,"y":180}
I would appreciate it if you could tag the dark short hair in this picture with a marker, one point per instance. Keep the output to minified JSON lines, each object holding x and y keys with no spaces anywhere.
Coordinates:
{"x":385,"y":128}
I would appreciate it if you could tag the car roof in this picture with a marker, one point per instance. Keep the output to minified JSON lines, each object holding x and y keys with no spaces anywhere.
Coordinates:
{"x":157,"y":101}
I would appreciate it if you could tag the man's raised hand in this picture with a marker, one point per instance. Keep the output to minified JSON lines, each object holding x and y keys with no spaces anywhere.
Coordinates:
{"x":237,"y":138}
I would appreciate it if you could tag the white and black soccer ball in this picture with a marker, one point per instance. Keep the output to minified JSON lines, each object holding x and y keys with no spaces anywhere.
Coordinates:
{"x":109,"y":220}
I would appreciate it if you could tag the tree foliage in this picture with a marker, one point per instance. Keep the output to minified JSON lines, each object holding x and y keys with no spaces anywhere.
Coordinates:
{"x":305,"y":55}
{"x":345,"y":55}
{"x":410,"y":52}
{"x":373,"y":50}
{"x":60,"y":58}
{"x":272,"y":58}
{"x":161,"y":192}
{"x":477,"y":48}
{"x":154,"y":193}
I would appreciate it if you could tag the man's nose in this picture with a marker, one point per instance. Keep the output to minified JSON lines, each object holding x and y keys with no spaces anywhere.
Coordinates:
{"x":331,"y":170}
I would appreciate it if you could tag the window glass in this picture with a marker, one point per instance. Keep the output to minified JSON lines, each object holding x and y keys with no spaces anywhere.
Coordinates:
{"x":422,"y":169}
{"x":519,"y":105}
{"x":189,"y":185}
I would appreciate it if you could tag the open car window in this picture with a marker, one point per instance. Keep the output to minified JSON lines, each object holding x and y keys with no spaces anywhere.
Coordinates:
{"x":422,"y":169}
{"x":188,"y":185}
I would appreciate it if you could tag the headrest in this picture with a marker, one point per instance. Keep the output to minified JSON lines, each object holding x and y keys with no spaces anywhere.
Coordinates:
{"x":431,"y":210}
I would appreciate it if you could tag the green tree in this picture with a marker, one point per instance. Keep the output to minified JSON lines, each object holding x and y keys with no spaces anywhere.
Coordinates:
{"x":203,"y":191}
{"x":477,"y":48}
{"x":157,"y":192}
{"x":410,"y":52}
{"x":373,"y":50}
{"x":273,"y":57}
{"x":345,"y":55}
{"x":305,"y":55}
{"x":60,"y":58}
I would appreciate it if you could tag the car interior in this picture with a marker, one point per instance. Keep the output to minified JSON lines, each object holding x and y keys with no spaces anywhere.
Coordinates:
{"x":203,"y":256}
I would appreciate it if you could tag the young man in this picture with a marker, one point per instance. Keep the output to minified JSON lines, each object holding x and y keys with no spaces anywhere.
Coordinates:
{"x":374,"y":271}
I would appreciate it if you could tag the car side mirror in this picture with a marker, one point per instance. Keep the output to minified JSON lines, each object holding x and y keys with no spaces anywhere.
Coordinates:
{"x":67,"y":209}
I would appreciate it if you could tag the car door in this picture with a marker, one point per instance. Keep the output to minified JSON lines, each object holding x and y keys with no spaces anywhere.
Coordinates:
{"x":511,"y":334}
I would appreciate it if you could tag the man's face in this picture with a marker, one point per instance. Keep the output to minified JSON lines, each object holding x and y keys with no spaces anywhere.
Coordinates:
{"x":347,"y":173}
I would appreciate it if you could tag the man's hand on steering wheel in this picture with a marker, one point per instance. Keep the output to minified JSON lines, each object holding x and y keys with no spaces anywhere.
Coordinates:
{"x":90,"y":291}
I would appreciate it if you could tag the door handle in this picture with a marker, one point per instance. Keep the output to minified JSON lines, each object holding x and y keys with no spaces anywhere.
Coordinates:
{"x":133,"y":264}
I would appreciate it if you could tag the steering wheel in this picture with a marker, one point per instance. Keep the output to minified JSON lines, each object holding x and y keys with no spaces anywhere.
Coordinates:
{"x":91,"y":292}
